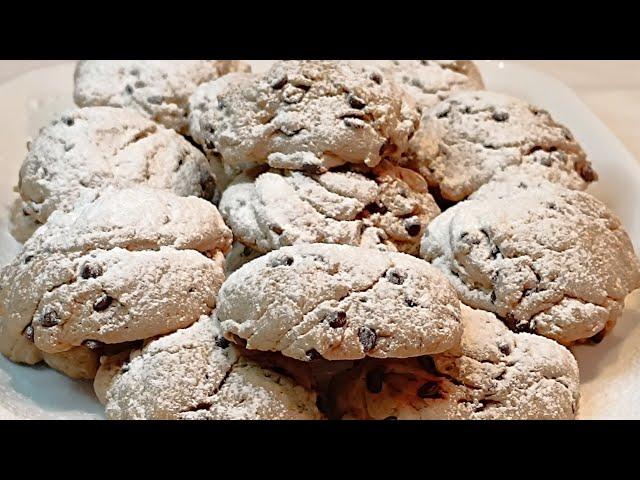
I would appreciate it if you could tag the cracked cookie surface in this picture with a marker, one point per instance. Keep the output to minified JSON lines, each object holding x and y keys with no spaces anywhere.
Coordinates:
{"x":465,"y":140}
{"x":196,"y":374}
{"x":494,"y":374}
{"x":131,"y":264}
{"x":387,"y":207}
{"x":339,"y":302}
{"x":86,"y":150}
{"x":544,"y":258}
{"x":431,"y":81}
{"x":310,"y":115}
{"x":158,"y":89}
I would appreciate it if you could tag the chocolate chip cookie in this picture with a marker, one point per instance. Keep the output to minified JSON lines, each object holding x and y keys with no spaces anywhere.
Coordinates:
{"x":494,"y":374}
{"x":387,"y":207}
{"x":467,"y":139}
{"x":339,"y":302}
{"x":195,"y":373}
{"x":310,"y":115}
{"x":544,"y":258}
{"x":86,"y":150}
{"x":131,"y":264}
{"x":158,"y":89}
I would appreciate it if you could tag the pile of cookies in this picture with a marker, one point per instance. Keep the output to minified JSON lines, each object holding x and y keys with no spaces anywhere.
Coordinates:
{"x":323,"y":240}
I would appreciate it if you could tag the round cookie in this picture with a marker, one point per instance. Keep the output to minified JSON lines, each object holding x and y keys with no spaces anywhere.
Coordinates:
{"x":196,"y":374}
{"x":158,"y":89}
{"x":86,"y":150}
{"x":388,"y":207}
{"x":494,"y":374}
{"x":310,"y":115}
{"x":545,"y":259}
{"x":431,"y":81}
{"x":131,"y":264}
{"x":464,"y":141}
{"x":339,"y":302}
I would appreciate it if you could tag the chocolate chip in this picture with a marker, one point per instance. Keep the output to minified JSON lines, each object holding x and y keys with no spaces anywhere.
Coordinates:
{"x":427,"y":363}
{"x":93,"y":344}
{"x":598,"y":337}
{"x":90,"y":271}
{"x":68,"y":121}
{"x":336,"y":319}
{"x":28,"y":258}
{"x":374,"y":380}
{"x":356,"y":102}
{"x":313,"y":354}
{"x":276,"y":229}
{"x":504,"y":348}
{"x":49,"y":319}
{"x":493,"y":296}
{"x":395,"y":276}
{"x":139,"y":84}
{"x":522,"y":185}
{"x":376,"y":77}
{"x":282,"y":261}
{"x":367,"y":337}
{"x":279,"y":82}
{"x":413,"y":227}
{"x":375,"y":207}
{"x":391,"y":417}
{"x":128,"y":89}
{"x":102,"y":303}
{"x":429,"y":390}
{"x":500,"y":116}
{"x":410,"y":303}
{"x":587,"y":173}
{"x":155,"y":100}
{"x":28,"y":332}
{"x":222,"y":342}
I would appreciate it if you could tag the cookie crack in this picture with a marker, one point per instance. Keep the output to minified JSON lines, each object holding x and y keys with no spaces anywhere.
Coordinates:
{"x":207,"y":404}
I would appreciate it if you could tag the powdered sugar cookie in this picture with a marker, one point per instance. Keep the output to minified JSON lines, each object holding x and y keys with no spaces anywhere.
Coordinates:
{"x":494,"y":374}
{"x":387,"y":208}
{"x":310,"y":115}
{"x":339,"y":302}
{"x":158,"y":89}
{"x":195,"y":373}
{"x":130,"y":265}
{"x":545,"y":259}
{"x":86,"y":150}
{"x":467,"y":139}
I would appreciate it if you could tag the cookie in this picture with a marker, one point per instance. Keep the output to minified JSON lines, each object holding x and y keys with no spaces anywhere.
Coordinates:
{"x":494,"y":374}
{"x":196,"y":374}
{"x":431,"y":81}
{"x":310,"y":115}
{"x":339,"y":302}
{"x":387,"y":207}
{"x":132,"y":264}
{"x":544,"y":258}
{"x":86,"y":150}
{"x":158,"y":89}
{"x":464,"y":141}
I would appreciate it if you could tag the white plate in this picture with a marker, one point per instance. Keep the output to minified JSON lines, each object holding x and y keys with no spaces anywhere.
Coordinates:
{"x":610,"y":372}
